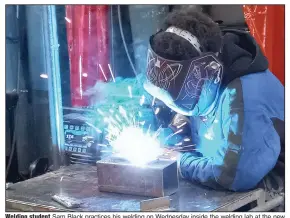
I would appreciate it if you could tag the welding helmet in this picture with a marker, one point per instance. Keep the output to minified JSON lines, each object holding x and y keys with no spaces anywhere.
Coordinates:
{"x":189,"y":87}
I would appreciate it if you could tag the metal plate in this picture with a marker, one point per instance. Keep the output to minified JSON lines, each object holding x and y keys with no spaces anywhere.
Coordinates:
{"x":157,"y":179}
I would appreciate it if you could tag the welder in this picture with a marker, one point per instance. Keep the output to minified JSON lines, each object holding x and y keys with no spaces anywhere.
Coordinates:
{"x":225,"y":97}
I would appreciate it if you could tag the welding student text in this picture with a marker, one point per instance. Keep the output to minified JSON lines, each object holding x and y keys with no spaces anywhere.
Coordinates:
{"x":213,"y":215}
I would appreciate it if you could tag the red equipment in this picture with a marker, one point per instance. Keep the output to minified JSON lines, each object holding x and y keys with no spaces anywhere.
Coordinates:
{"x":88,"y":38}
{"x":267,"y":25}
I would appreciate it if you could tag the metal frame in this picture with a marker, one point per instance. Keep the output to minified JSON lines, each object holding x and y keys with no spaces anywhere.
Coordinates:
{"x":54,"y":84}
{"x":160,"y":204}
{"x":258,"y":196}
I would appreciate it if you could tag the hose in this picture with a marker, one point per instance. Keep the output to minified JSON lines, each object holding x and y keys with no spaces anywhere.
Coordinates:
{"x":126,"y":48}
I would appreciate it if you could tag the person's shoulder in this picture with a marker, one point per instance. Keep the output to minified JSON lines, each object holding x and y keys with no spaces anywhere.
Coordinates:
{"x":255,"y":90}
{"x":258,"y":82}
{"x":260,"y":79}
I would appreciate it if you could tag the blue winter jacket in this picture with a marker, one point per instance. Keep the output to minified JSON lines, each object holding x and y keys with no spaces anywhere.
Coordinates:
{"x":237,"y":143}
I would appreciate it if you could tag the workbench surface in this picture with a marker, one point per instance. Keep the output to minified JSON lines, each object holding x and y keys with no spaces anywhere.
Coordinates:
{"x":80,"y":182}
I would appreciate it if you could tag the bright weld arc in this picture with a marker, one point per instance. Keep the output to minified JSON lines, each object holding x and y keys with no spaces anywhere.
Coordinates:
{"x":120,"y":133}
{"x":122,"y":142}
{"x":147,"y":150}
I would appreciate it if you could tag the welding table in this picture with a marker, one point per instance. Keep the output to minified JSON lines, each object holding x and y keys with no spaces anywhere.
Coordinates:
{"x":80,"y":182}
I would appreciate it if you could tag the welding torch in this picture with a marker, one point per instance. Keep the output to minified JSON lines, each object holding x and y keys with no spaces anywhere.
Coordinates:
{"x":177,"y":137}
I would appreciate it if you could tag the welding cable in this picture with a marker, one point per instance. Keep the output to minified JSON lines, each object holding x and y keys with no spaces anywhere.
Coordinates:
{"x":13,"y":142}
{"x":16,"y":115}
{"x":126,"y":47}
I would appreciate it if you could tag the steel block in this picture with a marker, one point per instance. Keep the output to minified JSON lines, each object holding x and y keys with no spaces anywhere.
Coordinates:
{"x":157,"y":179}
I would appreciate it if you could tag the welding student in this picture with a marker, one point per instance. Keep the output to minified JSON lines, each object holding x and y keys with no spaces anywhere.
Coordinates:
{"x":220,"y":80}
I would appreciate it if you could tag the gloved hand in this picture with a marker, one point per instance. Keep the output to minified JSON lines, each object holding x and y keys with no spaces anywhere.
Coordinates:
{"x":167,"y":137}
{"x":181,"y":123}
{"x":177,"y":133}
{"x":164,"y":115}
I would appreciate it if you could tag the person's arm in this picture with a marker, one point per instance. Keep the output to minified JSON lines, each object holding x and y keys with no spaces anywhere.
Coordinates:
{"x":249,"y":151}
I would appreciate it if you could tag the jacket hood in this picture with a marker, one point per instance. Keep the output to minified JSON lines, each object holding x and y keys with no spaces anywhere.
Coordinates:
{"x":241,"y":55}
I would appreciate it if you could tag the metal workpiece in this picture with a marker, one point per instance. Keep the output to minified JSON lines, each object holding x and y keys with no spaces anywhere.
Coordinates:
{"x":156,"y":179}
{"x":67,"y":202}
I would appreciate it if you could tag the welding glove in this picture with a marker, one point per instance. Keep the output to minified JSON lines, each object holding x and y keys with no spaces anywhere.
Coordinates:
{"x":180,"y":124}
{"x":178,"y":132}
{"x":177,"y":138}
{"x":163,"y":114}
